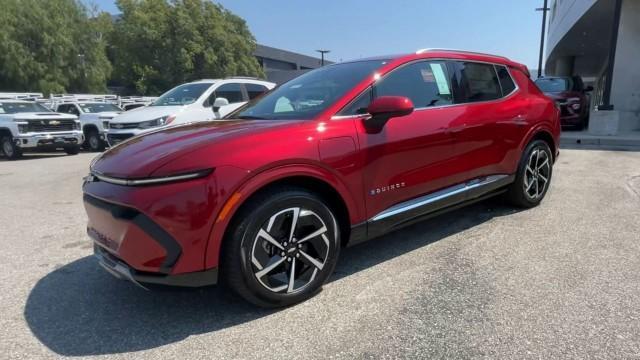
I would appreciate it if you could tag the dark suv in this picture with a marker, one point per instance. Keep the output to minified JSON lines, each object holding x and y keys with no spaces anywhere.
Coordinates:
{"x":571,"y":96}
{"x":265,"y":198}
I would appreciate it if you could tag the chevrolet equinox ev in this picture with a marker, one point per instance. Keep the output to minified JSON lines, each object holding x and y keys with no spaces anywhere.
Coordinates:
{"x":263,"y":200}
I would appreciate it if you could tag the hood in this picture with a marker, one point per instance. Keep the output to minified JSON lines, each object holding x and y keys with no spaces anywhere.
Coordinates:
{"x":147,"y":113}
{"x":43,"y":115}
{"x":108,"y":114}
{"x":140,"y":156}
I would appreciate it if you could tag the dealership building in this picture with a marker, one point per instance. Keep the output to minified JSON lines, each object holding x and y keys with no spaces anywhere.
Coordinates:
{"x":282,"y":65}
{"x":600,"y":41}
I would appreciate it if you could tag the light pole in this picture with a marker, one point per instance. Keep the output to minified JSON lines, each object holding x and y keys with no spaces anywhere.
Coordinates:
{"x":322,"y":52}
{"x":544,"y":10}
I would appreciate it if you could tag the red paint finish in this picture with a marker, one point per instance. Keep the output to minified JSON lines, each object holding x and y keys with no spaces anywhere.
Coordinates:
{"x":415,"y":153}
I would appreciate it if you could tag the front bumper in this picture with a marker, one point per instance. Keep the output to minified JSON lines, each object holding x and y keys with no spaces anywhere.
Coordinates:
{"x":122,"y":271}
{"x":116,"y":136}
{"x":61,"y":139}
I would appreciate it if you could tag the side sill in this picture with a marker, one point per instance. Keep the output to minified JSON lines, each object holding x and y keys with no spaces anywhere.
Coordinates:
{"x":437,"y":203}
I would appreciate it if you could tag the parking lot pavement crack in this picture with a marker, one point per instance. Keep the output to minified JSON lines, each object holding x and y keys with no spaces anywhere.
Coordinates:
{"x":633,"y":184}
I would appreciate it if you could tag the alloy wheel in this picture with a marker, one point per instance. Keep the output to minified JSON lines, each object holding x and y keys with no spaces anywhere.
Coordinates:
{"x":94,"y":142}
{"x":290,"y":249}
{"x":7,"y":148}
{"x":537,"y":173}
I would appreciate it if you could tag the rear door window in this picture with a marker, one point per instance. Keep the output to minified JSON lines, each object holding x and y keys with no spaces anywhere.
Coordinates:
{"x":475,"y":82}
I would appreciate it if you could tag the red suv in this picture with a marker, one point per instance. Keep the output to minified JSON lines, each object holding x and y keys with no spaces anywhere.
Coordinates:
{"x":265,"y":199}
{"x":571,"y":96}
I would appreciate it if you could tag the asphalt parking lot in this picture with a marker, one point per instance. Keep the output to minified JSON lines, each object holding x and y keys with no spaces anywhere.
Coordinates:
{"x":558,"y":281}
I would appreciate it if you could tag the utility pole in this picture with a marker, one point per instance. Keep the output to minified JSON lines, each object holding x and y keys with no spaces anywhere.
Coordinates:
{"x":322,"y":52}
{"x":544,"y":10}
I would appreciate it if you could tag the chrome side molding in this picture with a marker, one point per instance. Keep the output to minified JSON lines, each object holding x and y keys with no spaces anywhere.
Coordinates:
{"x":440,"y":195}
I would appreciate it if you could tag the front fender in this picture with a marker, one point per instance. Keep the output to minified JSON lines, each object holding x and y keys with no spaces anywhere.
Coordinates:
{"x":248,"y":183}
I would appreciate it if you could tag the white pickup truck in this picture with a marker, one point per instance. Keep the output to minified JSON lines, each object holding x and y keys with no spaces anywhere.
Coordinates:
{"x":94,"y":113}
{"x":27,"y":125}
{"x":200,"y":100}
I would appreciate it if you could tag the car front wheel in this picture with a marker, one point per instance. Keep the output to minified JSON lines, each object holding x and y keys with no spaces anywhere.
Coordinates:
{"x":9,"y":148}
{"x":533,"y":177}
{"x":283,"y":247}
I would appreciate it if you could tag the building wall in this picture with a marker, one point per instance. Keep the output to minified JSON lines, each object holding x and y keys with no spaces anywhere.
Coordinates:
{"x":563,"y":16}
{"x":625,"y":88}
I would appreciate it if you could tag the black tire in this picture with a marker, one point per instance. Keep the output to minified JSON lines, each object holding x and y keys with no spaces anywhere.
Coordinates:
{"x":530,"y":188}
{"x":72,"y":149}
{"x":239,"y":270}
{"x":9,"y":148}
{"x":92,"y":141}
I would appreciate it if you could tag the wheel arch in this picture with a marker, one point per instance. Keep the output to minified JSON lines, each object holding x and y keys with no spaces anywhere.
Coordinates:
{"x":314,"y":179}
{"x":544,"y":135}
{"x":86,"y":128}
{"x":5,"y":131}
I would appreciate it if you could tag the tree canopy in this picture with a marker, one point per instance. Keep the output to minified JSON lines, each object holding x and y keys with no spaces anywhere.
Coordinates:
{"x":51,"y":46}
{"x":153,"y":45}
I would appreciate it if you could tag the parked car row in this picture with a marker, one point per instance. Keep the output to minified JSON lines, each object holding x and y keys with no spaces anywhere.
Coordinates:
{"x":30,"y":122}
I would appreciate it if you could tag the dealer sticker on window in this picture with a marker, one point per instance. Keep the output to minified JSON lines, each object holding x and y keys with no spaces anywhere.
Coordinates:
{"x":441,"y":79}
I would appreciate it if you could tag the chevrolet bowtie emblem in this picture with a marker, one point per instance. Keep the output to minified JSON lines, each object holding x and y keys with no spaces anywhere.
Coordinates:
{"x":54,"y":122}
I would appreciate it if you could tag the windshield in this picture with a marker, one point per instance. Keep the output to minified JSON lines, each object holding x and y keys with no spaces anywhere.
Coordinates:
{"x":552,"y":85}
{"x":182,"y":95}
{"x":99,"y":107}
{"x":21,"y":107}
{"x":308,"y":95}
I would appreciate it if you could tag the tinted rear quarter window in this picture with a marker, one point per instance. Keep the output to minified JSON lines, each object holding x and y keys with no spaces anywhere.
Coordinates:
{"x":475,"y":82}
{"x":506,"y":82}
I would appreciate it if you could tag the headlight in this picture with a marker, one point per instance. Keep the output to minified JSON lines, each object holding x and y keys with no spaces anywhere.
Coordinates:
{"x":77,"y":125}
{"x":23,"y":128}
{"x":165,"y":120}
{"x":154,"y":180}
{"x":105,"y":124}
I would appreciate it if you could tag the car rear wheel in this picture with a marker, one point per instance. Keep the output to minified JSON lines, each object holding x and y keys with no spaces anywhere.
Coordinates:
{"x":9,"y":148}
{"x":533,"y":177}
{"x":282,"y":248}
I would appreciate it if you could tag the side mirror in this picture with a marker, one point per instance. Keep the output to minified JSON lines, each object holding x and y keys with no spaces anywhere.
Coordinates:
{"x":219,"y":102}
{"x":588,"y":88}
{"x":386,"y":107}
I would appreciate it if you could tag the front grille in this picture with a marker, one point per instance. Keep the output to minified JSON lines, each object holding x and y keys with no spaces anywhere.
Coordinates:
{"x":117,"y":138}
{"x":123,"y":125}
{"x":50,"y":125}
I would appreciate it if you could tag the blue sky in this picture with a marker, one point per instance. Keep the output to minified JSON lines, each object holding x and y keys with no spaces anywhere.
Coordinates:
{"x":360,"y":28}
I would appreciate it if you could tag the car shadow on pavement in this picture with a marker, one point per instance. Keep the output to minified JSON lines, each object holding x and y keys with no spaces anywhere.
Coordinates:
{"x":80,"y":310}
{"x":34,"y":156}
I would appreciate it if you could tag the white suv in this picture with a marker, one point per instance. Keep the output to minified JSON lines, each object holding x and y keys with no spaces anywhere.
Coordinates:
{"x":200,"y":100}
{"x":93,"y":113}
{"x":27,"y":125}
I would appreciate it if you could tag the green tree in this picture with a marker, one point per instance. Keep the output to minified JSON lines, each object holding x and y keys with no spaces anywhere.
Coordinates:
{"x":157,"y":44}
{"x":51,"y":46}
